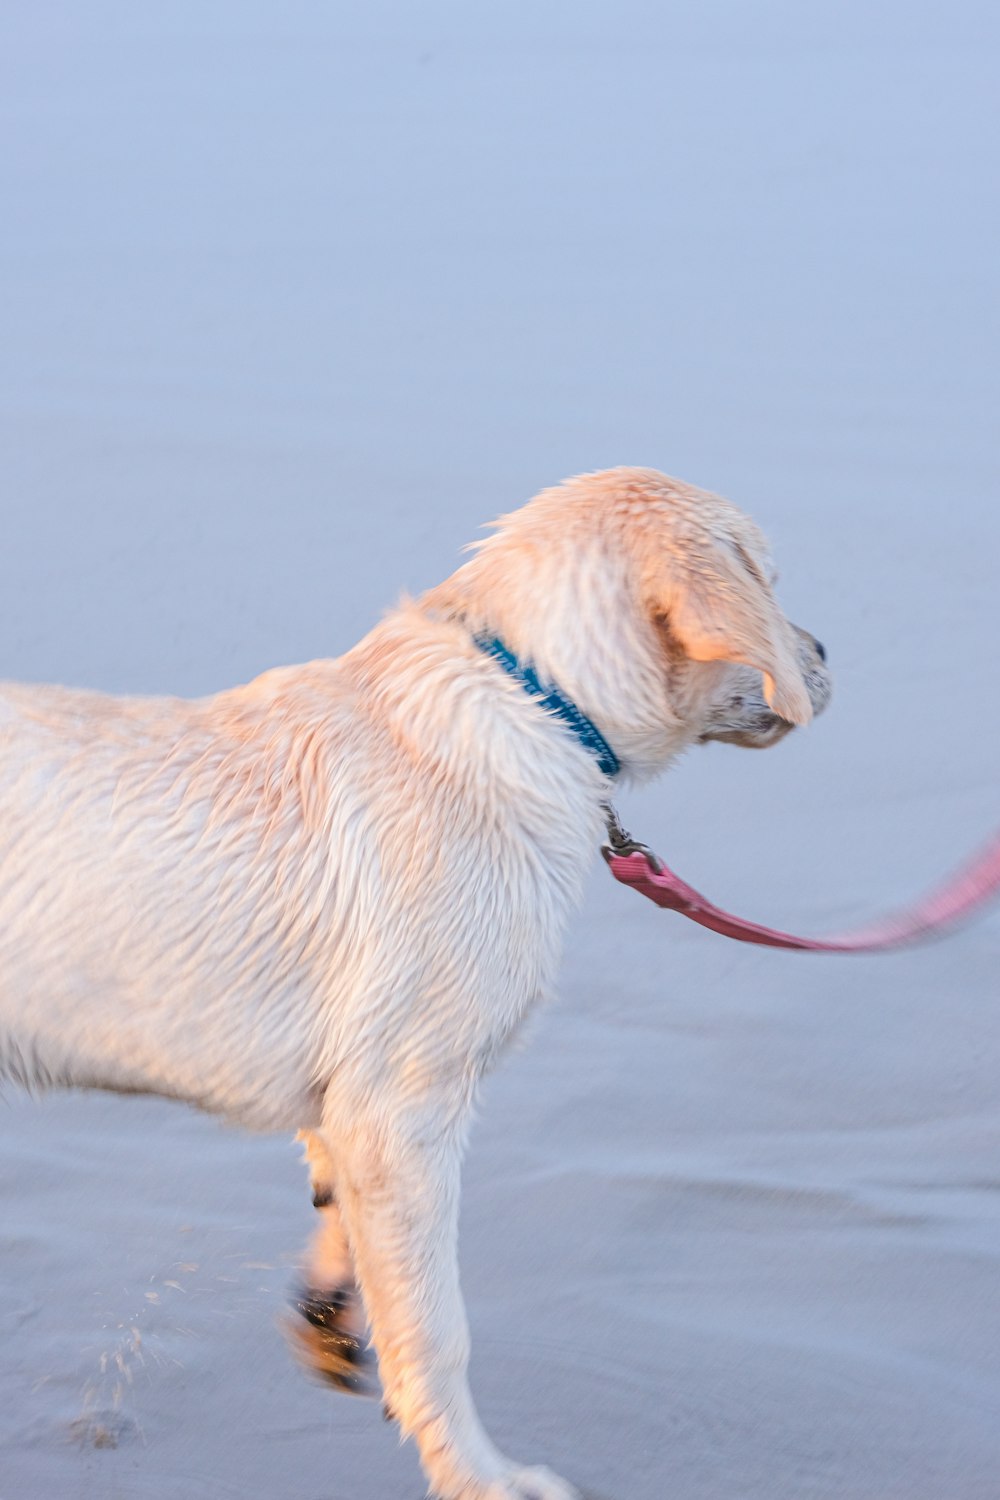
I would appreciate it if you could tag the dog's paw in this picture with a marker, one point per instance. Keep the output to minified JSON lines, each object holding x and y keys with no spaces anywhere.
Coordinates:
{"x":326,"y":1332}
{"x":532,"y":1484}
{"x":542,"y":1484}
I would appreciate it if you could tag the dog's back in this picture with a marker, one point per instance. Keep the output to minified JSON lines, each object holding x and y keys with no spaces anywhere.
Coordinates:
{"x":229,"y":900}
{"x":148,"y":859}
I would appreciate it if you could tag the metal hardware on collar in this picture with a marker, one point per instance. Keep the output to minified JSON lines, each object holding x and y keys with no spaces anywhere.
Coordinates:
{"x":553,"y":701}
{"x":621,"y":844}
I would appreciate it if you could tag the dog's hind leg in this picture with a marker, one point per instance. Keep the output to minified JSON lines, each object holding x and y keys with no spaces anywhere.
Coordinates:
{"x":398,"y":1192}
{"x":327,"y":1328}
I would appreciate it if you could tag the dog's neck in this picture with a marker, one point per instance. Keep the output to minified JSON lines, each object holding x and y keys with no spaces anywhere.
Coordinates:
{"x":605,"y":655}
{"x":553,"y":701}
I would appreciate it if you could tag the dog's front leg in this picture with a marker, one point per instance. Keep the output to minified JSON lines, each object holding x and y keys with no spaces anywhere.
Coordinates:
{"x":398,"y":1192}
{"x":327,"y":1327}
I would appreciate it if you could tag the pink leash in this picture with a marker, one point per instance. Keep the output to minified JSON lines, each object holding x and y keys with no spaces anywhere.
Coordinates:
{"x":636,"y":865}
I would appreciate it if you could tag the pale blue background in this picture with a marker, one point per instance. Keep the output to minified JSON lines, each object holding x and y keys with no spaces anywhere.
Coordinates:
{"x":296,"y":296}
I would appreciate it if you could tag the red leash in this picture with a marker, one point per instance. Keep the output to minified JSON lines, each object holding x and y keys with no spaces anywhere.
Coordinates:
{"x":636,"y":865}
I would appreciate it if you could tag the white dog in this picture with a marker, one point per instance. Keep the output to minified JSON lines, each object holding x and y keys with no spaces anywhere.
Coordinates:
{"x":325,"y":901}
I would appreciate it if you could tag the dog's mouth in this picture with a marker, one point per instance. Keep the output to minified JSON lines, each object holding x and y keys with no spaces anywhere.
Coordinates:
{"x":760,"y":734}
{"x":747,"y":720}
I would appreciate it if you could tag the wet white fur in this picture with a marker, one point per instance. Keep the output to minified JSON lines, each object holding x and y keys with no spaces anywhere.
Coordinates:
{"x":327,"y":899}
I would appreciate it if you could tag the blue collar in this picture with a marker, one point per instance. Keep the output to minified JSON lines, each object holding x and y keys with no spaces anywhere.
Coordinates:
{"x":554,"y":702}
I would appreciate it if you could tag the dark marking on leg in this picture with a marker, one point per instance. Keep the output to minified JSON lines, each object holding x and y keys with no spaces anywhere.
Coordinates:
{"x":322,"y":1309}
{"x":325,"y":1336}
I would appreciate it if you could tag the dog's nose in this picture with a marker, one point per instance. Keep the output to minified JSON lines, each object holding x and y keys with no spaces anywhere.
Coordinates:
{"x":820,"y":649}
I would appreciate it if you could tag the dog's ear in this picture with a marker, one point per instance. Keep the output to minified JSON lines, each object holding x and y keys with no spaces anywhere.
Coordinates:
{"x":719,"y":606}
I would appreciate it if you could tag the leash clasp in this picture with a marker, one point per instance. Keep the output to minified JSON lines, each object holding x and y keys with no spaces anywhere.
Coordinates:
{"x":620,"y":843}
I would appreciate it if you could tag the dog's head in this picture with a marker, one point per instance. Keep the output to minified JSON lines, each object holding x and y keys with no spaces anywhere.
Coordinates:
{"x":651,"y":603}
{"x":708,"y":585}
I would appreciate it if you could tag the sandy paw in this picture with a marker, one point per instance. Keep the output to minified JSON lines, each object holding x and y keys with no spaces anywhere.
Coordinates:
{"x":532,"y":1484}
